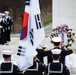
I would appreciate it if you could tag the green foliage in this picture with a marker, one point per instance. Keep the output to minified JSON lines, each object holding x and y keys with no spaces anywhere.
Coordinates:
{"x":16,"y":9}
{"x":47,"y":22}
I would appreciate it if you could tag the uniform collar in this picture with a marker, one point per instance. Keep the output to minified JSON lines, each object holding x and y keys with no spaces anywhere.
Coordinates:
{"x":54,"y":61}
{"x":7,"y":17}
{"x":0,"y":19}
{"x":6,"y":61}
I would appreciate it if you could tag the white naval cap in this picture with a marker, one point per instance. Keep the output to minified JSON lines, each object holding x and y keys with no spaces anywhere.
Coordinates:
{"x":56,"y":51}
{"x":56,"y":39}
{"x":6,"y":12}
{"x":3,"y":14}
{"x":7,"y":52}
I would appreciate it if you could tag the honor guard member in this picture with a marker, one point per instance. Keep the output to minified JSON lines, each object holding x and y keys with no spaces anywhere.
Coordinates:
{"x":9,"y":23}
{"x":66,"y":50}
{"x":7,"y":67}
{"x":0,"y":27}
{"x":4,"y":28}
{"x":36,"y":69}
{"x":56,"y":67}
{"x":41,"y":53}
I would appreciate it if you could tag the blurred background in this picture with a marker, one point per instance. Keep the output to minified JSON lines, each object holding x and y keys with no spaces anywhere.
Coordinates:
{"x":16,"y":9}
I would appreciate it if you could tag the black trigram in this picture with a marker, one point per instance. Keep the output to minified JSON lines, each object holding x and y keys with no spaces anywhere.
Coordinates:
{"x":38,"y":21}
{"x":27,"y":2}
{"x":21,"y":51}
{"x":32,"y":37}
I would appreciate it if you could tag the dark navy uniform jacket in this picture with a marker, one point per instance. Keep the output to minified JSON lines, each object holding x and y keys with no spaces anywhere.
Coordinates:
{"x":9,"y":22}
{"x":37,"y":69}
{"x":63,"y":54}
{"x":41,"y":54}
{"x":56,"y":68}
{"x":3,"y":31}
{"x":7,"y":68}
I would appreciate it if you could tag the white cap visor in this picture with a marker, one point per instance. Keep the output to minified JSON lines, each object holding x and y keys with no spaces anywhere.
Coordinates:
{"x":7,"y":52}
{"x":56,"y":39}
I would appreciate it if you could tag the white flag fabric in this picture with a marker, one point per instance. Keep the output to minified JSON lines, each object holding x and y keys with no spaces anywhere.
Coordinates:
{"x":32,"y":34}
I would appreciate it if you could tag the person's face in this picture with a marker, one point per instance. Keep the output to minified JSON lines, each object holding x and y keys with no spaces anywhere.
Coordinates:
{"x":7,"y":14}
{"x":0,"y":16}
